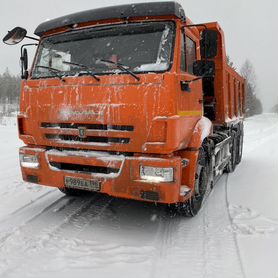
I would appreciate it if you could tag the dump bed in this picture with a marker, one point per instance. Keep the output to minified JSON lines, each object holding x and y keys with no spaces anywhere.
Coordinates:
{"x":224,"y":95}
{"x":234,"y":93}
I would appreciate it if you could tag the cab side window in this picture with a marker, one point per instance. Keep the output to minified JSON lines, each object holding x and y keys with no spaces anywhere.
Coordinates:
{"x":188,"y":54}
{"x":183,"y":64}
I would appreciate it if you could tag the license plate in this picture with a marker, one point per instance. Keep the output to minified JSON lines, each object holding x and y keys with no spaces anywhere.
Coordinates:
{"x":92,"y":185}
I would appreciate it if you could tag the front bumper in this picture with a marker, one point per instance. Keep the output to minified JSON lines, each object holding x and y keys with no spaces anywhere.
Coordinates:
{"x":121,"y":180}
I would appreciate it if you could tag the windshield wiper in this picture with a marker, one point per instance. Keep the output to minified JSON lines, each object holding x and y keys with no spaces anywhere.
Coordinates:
{"x":120,"y":66}
{"x":53,"y":70}
{"x":88,"y":70}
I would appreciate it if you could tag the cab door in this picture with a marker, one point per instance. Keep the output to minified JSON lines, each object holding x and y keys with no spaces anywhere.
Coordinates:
{"x":190,"y":93}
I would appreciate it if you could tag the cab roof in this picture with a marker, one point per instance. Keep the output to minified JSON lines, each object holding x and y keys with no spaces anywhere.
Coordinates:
{"x":114,"y":12}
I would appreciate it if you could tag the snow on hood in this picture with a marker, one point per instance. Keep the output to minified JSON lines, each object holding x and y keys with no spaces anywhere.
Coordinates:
{"x":152,"y":67}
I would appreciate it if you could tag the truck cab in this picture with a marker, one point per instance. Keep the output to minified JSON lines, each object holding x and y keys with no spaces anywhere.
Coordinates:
{"x":134,"y":101}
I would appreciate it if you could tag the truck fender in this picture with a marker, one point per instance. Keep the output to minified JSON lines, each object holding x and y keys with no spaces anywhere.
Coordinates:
{"x":202,"y":130}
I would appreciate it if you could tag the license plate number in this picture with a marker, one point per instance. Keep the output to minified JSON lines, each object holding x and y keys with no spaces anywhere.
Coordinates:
{"x":92,"y":185}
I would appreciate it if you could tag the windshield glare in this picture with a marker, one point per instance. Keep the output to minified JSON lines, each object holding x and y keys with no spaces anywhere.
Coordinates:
{"x":141,"y":47}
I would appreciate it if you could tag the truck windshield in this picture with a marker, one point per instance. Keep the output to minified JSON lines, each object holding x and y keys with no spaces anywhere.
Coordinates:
{"x":140,"y":47}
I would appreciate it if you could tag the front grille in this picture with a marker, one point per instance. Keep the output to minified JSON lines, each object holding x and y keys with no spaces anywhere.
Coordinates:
{"x":87,"y":133}
{"x":61,"y":149}
{"x":87,"y":169}
{"x":88,"y":126}
{"x":91,"y":139}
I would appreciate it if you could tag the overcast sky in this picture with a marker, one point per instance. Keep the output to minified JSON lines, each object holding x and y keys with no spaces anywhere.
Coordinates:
{"x":250,"y":26}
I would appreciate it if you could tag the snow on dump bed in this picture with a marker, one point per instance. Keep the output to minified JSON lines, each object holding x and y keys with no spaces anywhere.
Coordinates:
{"x":46,"y":234}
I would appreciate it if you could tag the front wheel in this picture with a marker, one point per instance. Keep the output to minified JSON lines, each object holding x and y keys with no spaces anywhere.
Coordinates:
{"x":192,"y":206}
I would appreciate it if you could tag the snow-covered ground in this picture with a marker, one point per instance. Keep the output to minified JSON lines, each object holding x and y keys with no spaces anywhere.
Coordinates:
{"x":45,"y":234}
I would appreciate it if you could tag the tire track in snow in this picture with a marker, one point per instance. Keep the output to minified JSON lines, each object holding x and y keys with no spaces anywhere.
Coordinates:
{"x":26,"y":224}
{"x":24,"y":209}
{"x":174,"y":247}
{"x":232,"y":226}
{"x":32,"y":202}
{"x":221,"y":253}
{"x":38,"y":236}
{"x":75,"y":251}
{"x":169,"y":223}
{"x":181,"y":245}
{"x":123,"y":223}
{"x":14,"y":223}
{"x":163,"y":240}
{"x":204,"y":246}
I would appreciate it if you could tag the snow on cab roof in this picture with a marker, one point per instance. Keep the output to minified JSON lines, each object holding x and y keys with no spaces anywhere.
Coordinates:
{"x":114,"y":12}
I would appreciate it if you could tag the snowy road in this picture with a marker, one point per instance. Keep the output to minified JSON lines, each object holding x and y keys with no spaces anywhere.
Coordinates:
{"x":43,"y":233}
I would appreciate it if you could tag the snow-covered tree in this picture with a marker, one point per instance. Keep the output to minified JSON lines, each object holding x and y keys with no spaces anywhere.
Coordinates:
{"x":253,"y":105}
{"x":9,"y":91}
{"x":230,"y":62}
{"x":274,"y":109}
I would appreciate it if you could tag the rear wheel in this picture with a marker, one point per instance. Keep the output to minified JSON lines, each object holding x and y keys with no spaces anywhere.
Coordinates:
{"x":192,"y":206}
{"x":233,"y":151}
{"x":239,"y":146}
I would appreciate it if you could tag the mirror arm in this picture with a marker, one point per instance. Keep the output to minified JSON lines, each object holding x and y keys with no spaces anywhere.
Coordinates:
{"x":185,"y":83}
{"x":32,"y":38}
{"x":197,"y":78}
{"x":193,"y":80}
{"x":27,"y":44}
{"x":21,"y":54}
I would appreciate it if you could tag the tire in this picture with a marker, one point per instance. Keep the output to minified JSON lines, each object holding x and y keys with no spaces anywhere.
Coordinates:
{"x":192,"y":206}
{"x":233,"y":150}
{"x":239,"y":146}
{"x":72,"y":192}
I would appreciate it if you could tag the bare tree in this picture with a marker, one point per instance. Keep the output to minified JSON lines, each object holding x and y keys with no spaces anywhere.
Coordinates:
{"x":253,"y":104}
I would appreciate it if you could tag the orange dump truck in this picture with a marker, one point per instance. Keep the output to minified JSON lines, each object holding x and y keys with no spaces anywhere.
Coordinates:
{"x":134,"y":101}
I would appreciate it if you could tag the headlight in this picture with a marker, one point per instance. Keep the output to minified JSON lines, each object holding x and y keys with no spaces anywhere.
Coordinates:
{"x":29,"y":160}
{"x":155,"y":174}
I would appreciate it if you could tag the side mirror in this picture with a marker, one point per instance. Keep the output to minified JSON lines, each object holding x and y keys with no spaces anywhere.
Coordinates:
{"x":15,"y":36}
{"x":209,"y":40}
{"x":24,"y":64}
{"x":204,"y":68}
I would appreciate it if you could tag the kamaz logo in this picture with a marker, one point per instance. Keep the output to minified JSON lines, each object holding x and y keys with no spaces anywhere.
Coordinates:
{"x":82,"y":132}
{"x":86,"y":113}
